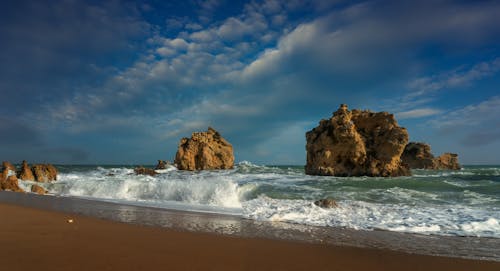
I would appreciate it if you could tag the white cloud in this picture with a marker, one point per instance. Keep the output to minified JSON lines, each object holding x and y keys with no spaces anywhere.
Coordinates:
{"x":417,"y":113}
{"x":459,"y":77}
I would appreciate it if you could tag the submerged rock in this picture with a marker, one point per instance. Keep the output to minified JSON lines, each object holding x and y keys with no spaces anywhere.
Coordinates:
{"x":162,"y":164}
{"x":204,"y":150}
{"x":38,"y":189}
{"x":419,"y":156}
{"x":144,"y":171}
{"x":326,"y":203}
{"x":357,"y":143}
{"x":25,"y":173}
{"x":44,"y":172}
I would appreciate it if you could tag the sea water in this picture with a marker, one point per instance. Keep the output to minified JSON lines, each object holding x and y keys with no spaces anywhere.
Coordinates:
{"x":457,"y":203}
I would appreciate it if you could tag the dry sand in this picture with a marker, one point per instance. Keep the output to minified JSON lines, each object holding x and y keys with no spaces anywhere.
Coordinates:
{"x":32,"y":239}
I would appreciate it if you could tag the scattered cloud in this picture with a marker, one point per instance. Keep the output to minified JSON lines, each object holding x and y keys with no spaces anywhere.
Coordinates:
{"x":418,"y":113}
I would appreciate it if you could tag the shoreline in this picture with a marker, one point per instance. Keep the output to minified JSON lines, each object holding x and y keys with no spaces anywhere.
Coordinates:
{"x":38,"y":239}
{"x":474,"y":248}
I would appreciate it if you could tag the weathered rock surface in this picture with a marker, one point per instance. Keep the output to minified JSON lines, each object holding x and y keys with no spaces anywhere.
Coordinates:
{"x":326,"y":203}
{"x":204,"y":150}
{"x":357,"y":143}
{"x":162,"y":164}
{"x":144,"y":171}
{"x":11,"y":184}
{"x":447,"y":161}
{"x":25,"y":173}
{"x":419,"y":156}
{"x":8,"y":165}
{"x":38,"y":189}
{"x":44,"y":172}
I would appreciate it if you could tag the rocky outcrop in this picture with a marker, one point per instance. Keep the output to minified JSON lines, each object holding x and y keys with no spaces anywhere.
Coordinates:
{"x":162,"y":164}
{"x":447,"y":161}
{"x":44,"y":172}
{"x":326,"y":203}
{"x":25,"y":173}
{"x":357,"y":143}
{"x":6,"y":165}
{"x":38,"y":189}
{"x":10,"y":184}
{"x":144,"y":171}
{"x":419,"y":156}
{"x":204,"y":150}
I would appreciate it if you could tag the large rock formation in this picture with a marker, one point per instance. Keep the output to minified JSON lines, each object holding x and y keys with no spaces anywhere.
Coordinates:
{"x":419,"y":156}
{"x":204,"y":150}
{"x":357,"y":143}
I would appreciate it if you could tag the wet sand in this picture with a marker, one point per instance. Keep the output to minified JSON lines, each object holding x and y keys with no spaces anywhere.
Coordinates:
{"x":34,"y":239}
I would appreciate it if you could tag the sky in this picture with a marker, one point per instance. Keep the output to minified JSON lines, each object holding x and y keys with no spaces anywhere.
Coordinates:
{"x":121,"y":82}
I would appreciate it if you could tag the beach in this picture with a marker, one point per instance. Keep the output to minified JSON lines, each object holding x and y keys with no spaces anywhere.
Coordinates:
{"x":35,"y":237}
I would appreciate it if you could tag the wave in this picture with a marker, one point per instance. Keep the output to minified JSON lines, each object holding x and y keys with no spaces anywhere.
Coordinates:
{"x":461,"y":204}
{"x":444,"y":220}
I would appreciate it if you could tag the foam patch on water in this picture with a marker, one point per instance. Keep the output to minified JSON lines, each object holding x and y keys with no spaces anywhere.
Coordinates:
{"x":450,"y":220}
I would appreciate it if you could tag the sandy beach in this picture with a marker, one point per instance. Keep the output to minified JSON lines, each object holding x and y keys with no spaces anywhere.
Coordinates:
{"x":34,"y":239}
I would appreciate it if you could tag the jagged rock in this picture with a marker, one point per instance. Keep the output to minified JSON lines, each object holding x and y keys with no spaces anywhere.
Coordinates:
{"x":6,"y":165}
{"x":419,"y":156}
{"x":38,"y":189}
{"x":162,"y":164}
{"x":357,"y":143}
{"x":10,"y":183}
{"x":25,"y":173}
{"x":204,"y":150}
{"x":44,"y":172}
{"x":447,"y":161}
{"x":144,"y":171}
{"x":326,"y":203}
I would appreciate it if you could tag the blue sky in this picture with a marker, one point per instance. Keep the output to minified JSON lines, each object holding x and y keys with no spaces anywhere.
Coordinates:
{"x":122,"y":81}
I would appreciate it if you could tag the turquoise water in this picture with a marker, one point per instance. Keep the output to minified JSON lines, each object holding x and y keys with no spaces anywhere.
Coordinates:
{"x":464,"y":202}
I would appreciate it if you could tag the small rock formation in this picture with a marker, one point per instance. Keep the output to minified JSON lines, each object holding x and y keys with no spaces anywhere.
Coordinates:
{"x":204,"y":150}
{"x":38,"y":189}
{"x":326,"y":203}
{"x":11,"y":184}
{"x":418,"y":155}
{"x":7,"y":165}
{"x":357,"y":143}
{"x":162,"y":164}
{"x":25,"y":173}
{"x":144,"y":171}
{"x":447,"y":161}
{"x":44,"y":172}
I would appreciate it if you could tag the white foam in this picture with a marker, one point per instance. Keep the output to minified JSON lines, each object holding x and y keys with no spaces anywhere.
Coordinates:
{"x":489,"y":225}
{"x":209,"y":189}
{"x":362,"y":215}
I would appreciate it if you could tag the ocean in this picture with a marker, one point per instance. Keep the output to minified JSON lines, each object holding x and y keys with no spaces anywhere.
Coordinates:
{"x":442,"y":203}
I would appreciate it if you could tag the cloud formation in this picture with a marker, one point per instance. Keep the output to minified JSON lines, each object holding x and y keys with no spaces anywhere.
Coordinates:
{"x":263,"y":73}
